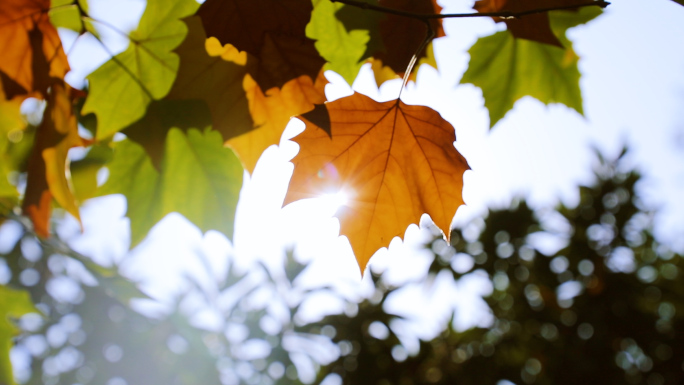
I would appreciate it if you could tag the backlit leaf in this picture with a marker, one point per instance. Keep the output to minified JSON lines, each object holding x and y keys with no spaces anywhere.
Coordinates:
{"x":13,"y":305}
{"x":199,"y":178}
{"x":507,"y":68}
{"x":393,"y":161}
{"x":121,"y":89}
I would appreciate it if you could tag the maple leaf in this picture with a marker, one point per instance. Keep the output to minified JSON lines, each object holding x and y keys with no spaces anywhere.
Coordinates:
{"x":535,"y":27}
{"x":199,"y":178}
{"x":507,"y":68}
{"x":272,"y":112}
{"x":272,"y":31}
{"x":394,"y":161}
{"x":13,"y":305}
{"x":145,"y":71}
{"x":31,"y":49}
{"x":47,"y":164}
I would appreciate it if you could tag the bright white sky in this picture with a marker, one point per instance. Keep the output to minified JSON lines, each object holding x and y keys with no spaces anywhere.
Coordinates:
{"x":633,"y":86}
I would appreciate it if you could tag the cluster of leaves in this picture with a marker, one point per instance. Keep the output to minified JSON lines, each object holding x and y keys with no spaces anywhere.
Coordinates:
{"x":606,"y":306}
{"x":202,"y":91}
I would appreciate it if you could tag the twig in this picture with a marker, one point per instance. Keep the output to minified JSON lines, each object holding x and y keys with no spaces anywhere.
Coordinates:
{"x":504,"y":14}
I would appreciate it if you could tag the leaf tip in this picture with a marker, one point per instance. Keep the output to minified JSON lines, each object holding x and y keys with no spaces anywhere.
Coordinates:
{"x":319,"y":117}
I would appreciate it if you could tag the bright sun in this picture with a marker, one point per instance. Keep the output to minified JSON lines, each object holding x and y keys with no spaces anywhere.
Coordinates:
{"x":335,"y":200}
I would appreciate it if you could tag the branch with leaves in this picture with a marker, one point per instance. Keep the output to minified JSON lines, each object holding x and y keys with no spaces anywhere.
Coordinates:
{"x":503,"y":13}
{"x":202,"y":90}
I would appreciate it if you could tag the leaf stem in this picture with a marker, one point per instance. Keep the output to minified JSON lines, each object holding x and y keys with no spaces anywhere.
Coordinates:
{"x":504,"y":14}
{"x":428,"y":38}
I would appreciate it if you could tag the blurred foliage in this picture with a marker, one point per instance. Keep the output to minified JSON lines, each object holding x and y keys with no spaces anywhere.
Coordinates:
{"x":581,"y":294}
{"x":606,"y":307}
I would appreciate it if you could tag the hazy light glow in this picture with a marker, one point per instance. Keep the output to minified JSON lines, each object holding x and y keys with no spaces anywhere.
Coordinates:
{"x":335,"y":200}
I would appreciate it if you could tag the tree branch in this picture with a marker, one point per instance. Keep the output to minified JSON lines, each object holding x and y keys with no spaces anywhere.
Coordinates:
{"x":504,"y":14}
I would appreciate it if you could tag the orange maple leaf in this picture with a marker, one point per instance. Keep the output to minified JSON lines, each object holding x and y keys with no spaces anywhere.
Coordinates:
{"x":31,"y":49}
{"x":272,"y":111}
{"x":47,"y":165}
{"x":393,"y":161}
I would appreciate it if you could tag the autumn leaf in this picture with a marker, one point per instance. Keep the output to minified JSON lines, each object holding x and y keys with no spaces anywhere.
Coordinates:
{"x":393,"y":161}
{"x":121,"y":89}
{"x":272,"y":112}
{"x":47,"y":165}
{"x":13,"y":305}
{"x":272,"y":31}
{"x":31,"y":49}
{"x":508,"y":68}
{"x":199,"y":178}
{"x":535,"y":27}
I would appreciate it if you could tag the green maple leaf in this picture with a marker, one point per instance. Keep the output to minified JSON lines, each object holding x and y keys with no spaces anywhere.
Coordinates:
{"x":121,"y":89}
{"x":343,"y":50}
{"x":198,"y":178}
{"x":507,"y":68}
{"x":13,"y":304}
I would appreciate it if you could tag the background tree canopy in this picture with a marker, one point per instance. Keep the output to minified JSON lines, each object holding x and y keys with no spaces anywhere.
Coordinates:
{"x":175,"y":122}
{"x":604,"y":306}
